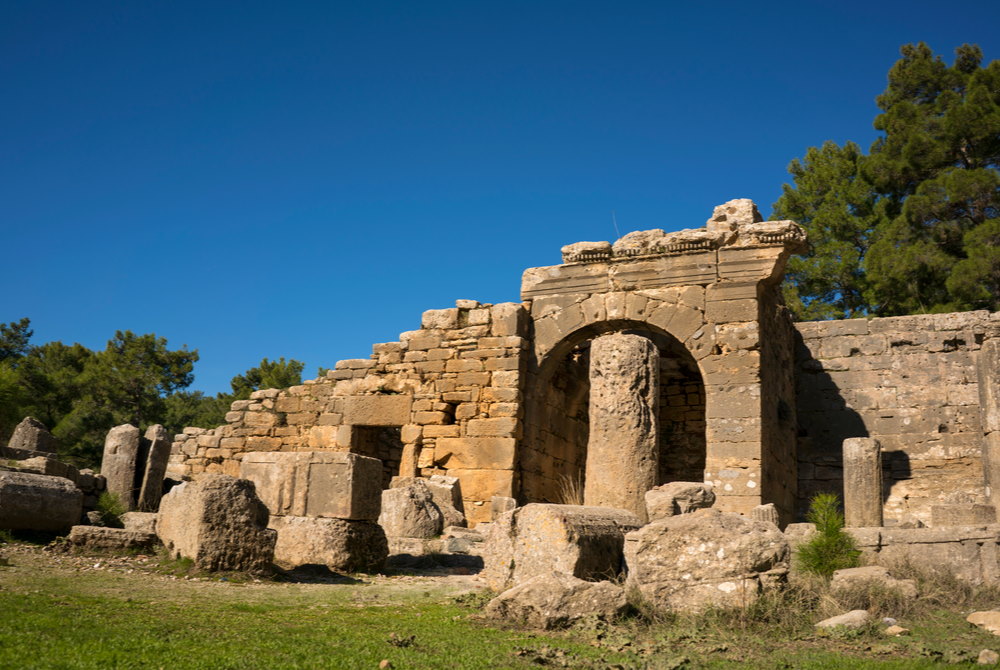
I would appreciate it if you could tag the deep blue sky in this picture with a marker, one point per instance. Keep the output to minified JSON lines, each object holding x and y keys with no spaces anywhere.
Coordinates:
{"x":304,"y":179}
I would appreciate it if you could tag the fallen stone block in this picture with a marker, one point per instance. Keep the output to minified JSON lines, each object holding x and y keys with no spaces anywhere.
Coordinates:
{"x":409,"y":511}
{"x":678,"y":498}
{"x":32,"y":435}
{"x":445,"y":492}
{"x":852,"y":619}
{"x":339,"y":544}
{"x":329,"y":484}
{"x":873,"y":575}
{"x":140,"y":522}
{"x":539,"y":538}
{"x":219,"y":522}
{"x":557,"y":600}
{"x":38,"y":502}
{"x":705,"y":559}
{"x":987,"y":620}
{"x":100,"y":538}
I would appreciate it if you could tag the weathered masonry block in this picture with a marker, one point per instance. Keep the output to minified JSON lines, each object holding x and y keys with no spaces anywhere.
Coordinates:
{"x":503,"y":396}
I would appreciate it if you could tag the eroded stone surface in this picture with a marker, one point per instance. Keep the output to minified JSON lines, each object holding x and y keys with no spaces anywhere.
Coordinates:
{"x":623,"y":447}
{"x":120,"y":462}
{"x":32,"y":435}
{"x":557,"y":600}
{"x":678,"y":498}
{"x":38,"y":502}
{"x":704,"y":559}
{"x":219,"y":522}
{"x":585,"y":542}
{"x":339,"y":544}
{"x":409,"y":511}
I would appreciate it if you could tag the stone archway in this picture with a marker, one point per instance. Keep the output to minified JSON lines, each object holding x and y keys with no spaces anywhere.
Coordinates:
{"x":553,"y":455}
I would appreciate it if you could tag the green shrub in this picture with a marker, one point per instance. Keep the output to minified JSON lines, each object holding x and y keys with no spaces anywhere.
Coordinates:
{"x":831,"y":549}
{"x":111,"y":509}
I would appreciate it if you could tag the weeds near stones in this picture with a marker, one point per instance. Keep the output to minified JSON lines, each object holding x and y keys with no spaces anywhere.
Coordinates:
{"x":111,"y":508}
{"x":831,"y":549}
{"x":570,"y":490}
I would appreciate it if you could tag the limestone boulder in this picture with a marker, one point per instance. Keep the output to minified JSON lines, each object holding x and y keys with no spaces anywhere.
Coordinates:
{"x":446,"y":493}
{"x":704,"y":559}
{"x":32,"y":435}
{"x":409,"y":511}
{"x":536,"y":539}
{"x":341,"y":545}
{"x":852,"y":619}
{"x":678,"y":498}
{"x":38,"y":502}
{"x":102,"y":538}
{"x":988,"y":620}
{"x":557,"y":600}
{"x":219,"y":522}
{"x":873,"y":575}
{"x":142,"y":522}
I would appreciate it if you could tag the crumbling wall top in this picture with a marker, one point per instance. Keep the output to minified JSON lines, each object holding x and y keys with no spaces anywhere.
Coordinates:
{"x":734,"y":223}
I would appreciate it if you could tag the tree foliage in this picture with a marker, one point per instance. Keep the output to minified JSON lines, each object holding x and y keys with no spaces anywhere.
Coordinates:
{"x":277,"y":374}
{"x":80,"y":394}
{"x":911,"y":227}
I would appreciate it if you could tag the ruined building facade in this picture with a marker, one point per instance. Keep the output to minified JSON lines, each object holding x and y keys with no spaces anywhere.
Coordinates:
{"x":734,"y":393}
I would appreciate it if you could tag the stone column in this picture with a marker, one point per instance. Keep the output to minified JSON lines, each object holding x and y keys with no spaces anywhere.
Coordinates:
{"x":989,"y":407}
{"x":622,"y":451}
{"x":158,"y":453}
{"x":120,"y":462}
{"x":862,"y":482}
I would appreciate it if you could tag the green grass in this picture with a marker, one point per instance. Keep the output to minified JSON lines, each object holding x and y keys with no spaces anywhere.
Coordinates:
{"x":58,"y":612}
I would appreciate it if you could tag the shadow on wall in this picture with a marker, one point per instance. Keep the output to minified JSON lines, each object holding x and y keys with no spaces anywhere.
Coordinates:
{"x":825,"y":421}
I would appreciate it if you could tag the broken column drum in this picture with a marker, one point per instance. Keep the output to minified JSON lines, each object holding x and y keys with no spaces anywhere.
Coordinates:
{"x":622,"y":450}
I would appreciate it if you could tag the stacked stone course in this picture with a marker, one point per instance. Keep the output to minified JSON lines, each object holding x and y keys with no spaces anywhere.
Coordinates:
{"x":911,"y":382}
{"x":452,"y":388}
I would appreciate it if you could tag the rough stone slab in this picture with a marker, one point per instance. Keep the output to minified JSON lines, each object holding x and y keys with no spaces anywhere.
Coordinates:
{"x":446,"y":493}
{"x":38,"y":502}
{"x":377,"y":410}
{"x":678,"y":498}
{"x":704,"y":559}
{"x":409,"y":511}
{"x":99,"y":538}
{"x":988,"y":371}
{"x":339,"y":544}
{"x":557,"y":600}
{"x":120,"y":462}
{"x":585,"y":542}
{"x":219,"y":522}
{"x":32,"y":435}
{"x":44,"y":465}
{"x":328,"y":484}
{"x":140,"y":522}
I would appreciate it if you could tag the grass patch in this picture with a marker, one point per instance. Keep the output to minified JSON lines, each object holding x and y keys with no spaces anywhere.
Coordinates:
{"x":126,"y":618}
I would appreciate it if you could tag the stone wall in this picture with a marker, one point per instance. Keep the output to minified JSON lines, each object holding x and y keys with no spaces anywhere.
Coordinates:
{"x":450,"y":391}
{"x":912,"y":383}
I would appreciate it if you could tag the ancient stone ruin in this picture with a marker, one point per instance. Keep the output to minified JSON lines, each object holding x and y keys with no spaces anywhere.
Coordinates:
{"x":646,"y":398}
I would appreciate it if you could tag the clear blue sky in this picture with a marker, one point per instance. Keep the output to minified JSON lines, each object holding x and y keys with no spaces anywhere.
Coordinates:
{"x":302,"y":179}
